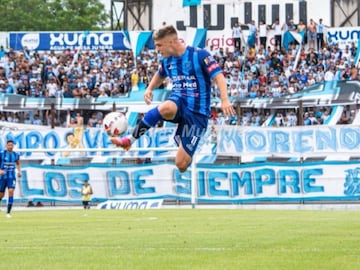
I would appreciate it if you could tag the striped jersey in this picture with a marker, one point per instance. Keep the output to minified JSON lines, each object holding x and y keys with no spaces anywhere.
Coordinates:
{"x":8,"y":164}
{"x":191,"y":75}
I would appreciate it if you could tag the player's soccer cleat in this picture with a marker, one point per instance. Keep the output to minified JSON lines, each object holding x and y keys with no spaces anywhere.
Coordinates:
{"x":124,"y":143}
{"x":8,"y":215}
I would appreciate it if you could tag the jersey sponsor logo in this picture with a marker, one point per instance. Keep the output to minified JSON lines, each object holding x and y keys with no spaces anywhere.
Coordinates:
{"x":209,"y":60}
{"x":170,"y":67}
{"x":212,"y":67}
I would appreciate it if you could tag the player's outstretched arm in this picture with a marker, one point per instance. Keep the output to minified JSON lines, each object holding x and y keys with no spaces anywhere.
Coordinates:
{"x":154,"y":83}
{"x":226,"y":105}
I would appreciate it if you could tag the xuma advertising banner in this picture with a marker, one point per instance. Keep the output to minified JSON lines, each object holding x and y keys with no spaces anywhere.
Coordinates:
{"x":44,"y":41}
{"x":343,"y":36}
{"x":228,"y":184}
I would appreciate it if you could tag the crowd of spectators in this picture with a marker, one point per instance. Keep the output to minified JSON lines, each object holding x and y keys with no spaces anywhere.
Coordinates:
{"x":261,"y":71}
{"x":264,"y":71}
{"x":72,"y":74}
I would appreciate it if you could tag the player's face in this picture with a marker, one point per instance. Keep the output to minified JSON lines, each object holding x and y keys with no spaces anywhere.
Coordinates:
{"x":164,"y":46}
{"x":9,"y":146}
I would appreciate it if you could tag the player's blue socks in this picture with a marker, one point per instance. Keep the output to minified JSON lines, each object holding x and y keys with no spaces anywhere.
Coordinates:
{"x":10,"y":203}
{"x":150,"y":119}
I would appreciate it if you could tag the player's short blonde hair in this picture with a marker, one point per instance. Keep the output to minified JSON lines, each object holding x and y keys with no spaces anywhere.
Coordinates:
{"x":165,"y":31}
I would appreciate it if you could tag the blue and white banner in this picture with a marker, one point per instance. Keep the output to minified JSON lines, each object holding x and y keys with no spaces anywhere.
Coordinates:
{"x":251,"y":39}
{"x":196,"y":37}
{"x":291,"y":36}
{"x":343,"y":36}
{"x":226,"y":183}
{"x":12,"y":102}
{"x":45,"y":41}
{"x":357,"y":55}
{"x":295,"y":141}
{"x":328,"y":93}
{"x":315,"y":141}
{"x":138,"y":39}
{"x":64,"y":144}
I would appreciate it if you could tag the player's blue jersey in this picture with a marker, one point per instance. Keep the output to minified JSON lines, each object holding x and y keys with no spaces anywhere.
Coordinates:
{"x":191,"y":75}
{"x":8,"y":164}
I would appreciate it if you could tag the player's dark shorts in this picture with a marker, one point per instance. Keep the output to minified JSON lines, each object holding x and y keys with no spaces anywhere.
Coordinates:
{"x":86,"y":204}
{"x":191,"y":126}
{"x":7,"y":183}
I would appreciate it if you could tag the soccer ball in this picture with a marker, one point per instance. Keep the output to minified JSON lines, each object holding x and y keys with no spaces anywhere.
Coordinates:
{"x":115,"y":123}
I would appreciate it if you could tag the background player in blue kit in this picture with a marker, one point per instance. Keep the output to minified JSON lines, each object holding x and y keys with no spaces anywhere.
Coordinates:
{"x":9,"y":169}
{"x":191,"y":71}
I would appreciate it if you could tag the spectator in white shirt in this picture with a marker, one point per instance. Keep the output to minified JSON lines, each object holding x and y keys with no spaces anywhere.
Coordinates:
{"x":51,"y":87}
{"x":243,"y":91}
{"x":236,"y":34}
{"x":279,"y":121}
{"x":278,"y":29}
{"x":234,"y":92}
{"x":263,"y":31}
{"x":329,"y":75}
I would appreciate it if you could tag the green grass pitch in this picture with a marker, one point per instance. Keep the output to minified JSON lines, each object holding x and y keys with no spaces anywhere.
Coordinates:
{"x":187,"y":239}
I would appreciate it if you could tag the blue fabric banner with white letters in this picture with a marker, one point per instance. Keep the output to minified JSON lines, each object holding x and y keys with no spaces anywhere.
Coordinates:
{"x":58,"y":41}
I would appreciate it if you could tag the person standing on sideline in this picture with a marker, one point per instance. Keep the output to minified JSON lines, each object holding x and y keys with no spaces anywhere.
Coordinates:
{"x":191,"y":70}
{"x":9,"y":169}
{"x":236,"y":34}
{"x":86,"y":192}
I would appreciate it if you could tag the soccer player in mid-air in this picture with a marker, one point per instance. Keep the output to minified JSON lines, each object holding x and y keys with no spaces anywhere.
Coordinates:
{"x":191,"y":71}
{"x":9,"y":169}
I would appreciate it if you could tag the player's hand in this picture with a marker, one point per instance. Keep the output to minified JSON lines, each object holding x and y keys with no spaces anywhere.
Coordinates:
{"x":2,"y":172}
{"x":19,"y":174}
{"x":227,"y":108}
{"x":148,"y":96}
